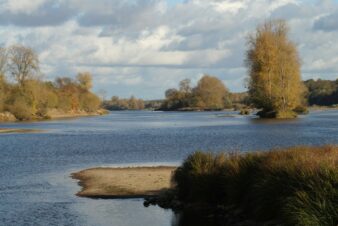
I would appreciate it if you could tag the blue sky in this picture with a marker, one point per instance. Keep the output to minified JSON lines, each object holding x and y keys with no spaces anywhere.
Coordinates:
{"x":144,"y":47}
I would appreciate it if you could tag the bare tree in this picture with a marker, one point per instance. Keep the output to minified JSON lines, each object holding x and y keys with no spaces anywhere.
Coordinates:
{"x":185,"y":86}
{"x":102,"y":94}
{"x":3,"y":60}
{"x":23,"y":63}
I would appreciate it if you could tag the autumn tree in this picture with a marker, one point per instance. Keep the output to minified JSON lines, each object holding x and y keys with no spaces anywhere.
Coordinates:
{"x":132,"y":103}
{"x":210,"y":93}
{"x":274,"y":71}
{"x":85,"y":80}
{"x":23,"y":63}
{"x":175,"y":99}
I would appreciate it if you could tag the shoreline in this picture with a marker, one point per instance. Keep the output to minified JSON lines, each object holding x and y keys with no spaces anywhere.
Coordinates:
{"x":123,"y":183}
{"x":64,"y":115}
{"x":8,"y":130}
{"x":55,"y":115}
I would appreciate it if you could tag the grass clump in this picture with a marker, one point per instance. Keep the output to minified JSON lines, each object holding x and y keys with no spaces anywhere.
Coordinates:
{"x":295,"y":186}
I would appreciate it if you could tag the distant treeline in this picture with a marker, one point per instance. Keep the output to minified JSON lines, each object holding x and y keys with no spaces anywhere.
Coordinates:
{"x":209,"y":94}
{"x":319,"y":92}
{"x":26,"y":96}
{"x":117,"y":104}
{"x":322,"y":92}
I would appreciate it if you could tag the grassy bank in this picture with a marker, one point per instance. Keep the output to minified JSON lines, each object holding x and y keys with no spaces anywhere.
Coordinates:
{"x":295,"y":186}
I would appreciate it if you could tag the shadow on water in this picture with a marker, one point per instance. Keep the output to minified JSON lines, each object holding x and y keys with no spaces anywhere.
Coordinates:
{"x":256,"y":120}
{"x":194,"y":219}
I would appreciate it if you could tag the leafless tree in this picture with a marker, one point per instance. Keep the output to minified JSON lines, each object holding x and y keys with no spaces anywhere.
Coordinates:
{"x":23,"y":63}
{"x":3,"y":60}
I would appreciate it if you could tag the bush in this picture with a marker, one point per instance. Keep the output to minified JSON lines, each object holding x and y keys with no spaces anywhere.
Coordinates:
{"x":21,"y":109}
{"x":244,"y":111}
{"x":301,"y":110}
{"x":296,"y":186}
{"x":89,"y":102}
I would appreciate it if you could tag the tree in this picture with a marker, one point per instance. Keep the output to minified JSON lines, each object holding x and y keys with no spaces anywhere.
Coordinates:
{"x":274,"y":71}
{"x":85,"y":80}
{"x":23,"y":63}
{"x":89,"y":102}
{"x":3,"y":61}
{"x":170,"y":93}
{"x":185,"y":86}
{"x":210,"y":93}
{"x":102,"y":94}
{"x":322,"y":92}
{"x":132,"y":103}
{"x":3,"y":92}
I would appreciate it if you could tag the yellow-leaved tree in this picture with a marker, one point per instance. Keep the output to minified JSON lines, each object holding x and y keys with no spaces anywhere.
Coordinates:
{"x":274,"y":71}
{"x":210,"y":93}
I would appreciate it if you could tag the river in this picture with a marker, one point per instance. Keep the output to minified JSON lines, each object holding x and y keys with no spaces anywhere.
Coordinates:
{"x":35,"y":168}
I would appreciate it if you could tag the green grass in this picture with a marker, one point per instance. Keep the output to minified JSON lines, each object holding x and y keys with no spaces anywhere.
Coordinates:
{"x":295,"y":186}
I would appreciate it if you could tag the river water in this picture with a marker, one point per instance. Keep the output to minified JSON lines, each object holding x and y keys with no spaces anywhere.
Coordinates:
{"x":35,"y":183}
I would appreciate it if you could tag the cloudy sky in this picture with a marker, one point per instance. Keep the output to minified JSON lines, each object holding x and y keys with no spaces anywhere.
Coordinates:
{"x":143,"y":47}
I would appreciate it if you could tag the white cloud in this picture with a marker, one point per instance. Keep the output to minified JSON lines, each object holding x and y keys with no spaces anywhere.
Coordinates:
{"x":22,"y":6}
{"x":149,"y":46}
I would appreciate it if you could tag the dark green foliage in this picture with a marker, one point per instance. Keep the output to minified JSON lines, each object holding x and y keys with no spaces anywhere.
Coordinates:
{"x":301,"y":109}
{"x":297,"y":186}
{"x":322,"y":92}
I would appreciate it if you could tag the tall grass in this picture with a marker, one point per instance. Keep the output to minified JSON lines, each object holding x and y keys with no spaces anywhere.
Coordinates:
{"x":295,"y":186}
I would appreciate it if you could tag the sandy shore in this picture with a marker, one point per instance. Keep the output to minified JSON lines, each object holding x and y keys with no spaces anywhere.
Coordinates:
{"x":3,"y":130}
{"x":56,"y":114}
{"x":123,"y":182}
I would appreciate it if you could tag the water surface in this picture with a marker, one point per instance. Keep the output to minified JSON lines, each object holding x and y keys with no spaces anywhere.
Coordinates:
{"x":35,"y":187}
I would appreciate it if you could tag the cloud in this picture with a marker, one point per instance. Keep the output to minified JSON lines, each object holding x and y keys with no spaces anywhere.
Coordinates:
{"x":143,"y":47}
{"x":34,"y":13}
{"x":327,"y":23}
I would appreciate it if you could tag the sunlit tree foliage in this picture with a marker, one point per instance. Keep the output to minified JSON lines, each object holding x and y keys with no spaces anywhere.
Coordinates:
{"x":274,"y":71}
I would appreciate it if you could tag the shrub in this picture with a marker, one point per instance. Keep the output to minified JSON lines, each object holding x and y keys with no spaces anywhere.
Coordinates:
{"x":301,"y":110}
{"x":296,"y":186}
{"x":89,"y":102}
{"x":244,"y":111}
{"x":21,"y":109}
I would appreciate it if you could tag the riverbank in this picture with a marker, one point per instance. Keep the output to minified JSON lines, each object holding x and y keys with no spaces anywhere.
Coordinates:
{"x":293,"y":186}
{"x":53,"y":114}
{"x":56,"y":114}
{"x":322,"y":108}
{"x":128,"y":182}
{"x":5,"y":130}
